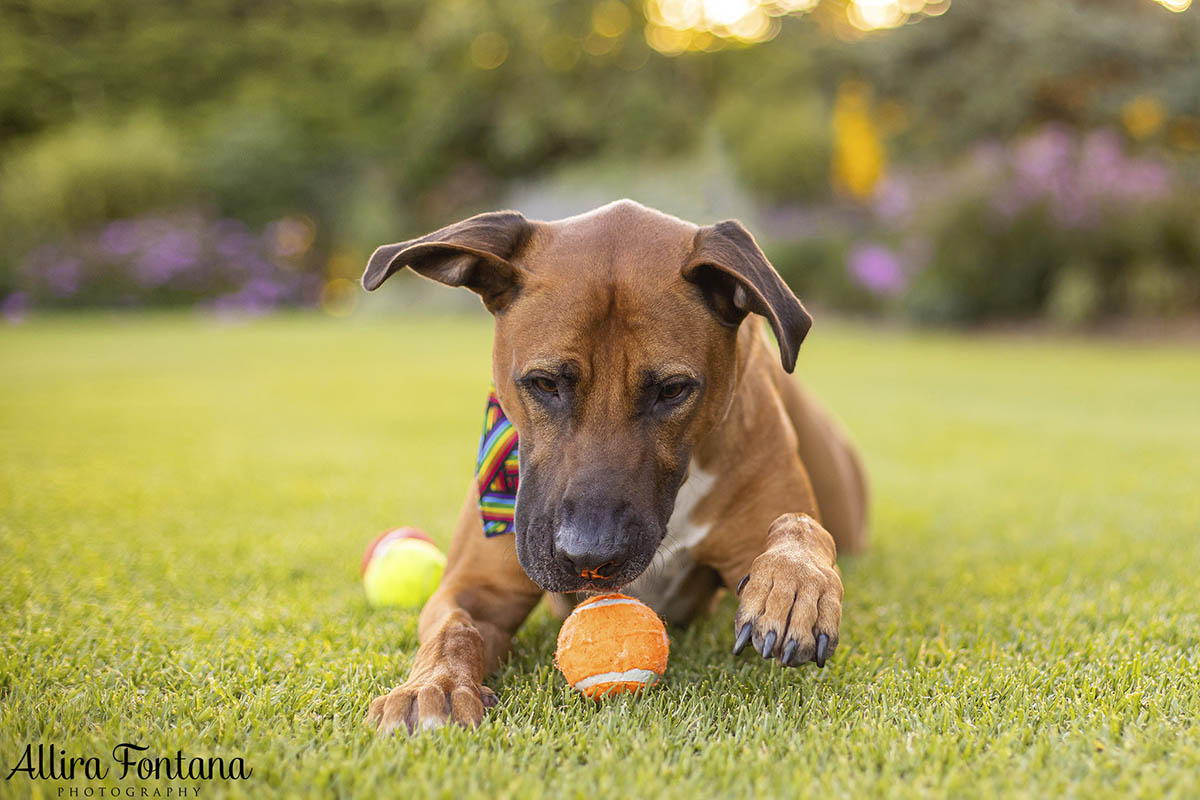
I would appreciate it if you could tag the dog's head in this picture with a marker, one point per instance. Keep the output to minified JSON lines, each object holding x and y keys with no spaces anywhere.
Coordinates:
{"x":613,"y":355}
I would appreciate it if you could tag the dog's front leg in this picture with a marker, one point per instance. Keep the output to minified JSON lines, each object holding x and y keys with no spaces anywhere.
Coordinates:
{"x":790,"y":598}
{"x":466,"y":628}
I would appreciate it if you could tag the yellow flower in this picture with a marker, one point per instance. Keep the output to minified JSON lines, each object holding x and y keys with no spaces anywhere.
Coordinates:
{"x":859,"y":159}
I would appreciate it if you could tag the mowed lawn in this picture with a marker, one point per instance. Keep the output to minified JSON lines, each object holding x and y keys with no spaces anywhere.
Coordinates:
{"x":183,"y":506}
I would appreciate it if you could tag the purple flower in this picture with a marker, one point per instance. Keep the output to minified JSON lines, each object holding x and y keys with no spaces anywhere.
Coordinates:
{"x":220,"y":263}
{"x":1078,"y":179}
{"x":118,"y":239}
{"x":264,"y":290}
{"x":893,"y":199}
{"x":1146,"y":181}
{"x":233,"y":242}
{"x":1042,"y":159}
{"x":1112,"y":178}
{"x":1045,"y":170}
{"x":64,"y":276}
{"x":877,"y":268}
{"x":15,"y":308}
{"x":167,"y":255}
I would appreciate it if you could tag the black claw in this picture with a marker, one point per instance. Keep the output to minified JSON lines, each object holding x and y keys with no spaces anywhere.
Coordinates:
{"x":822,"y":647}
{"x":742,"y":639}
{"x":789,"y":650}
{"x":742,"y":583}
{"x":768,"y":644}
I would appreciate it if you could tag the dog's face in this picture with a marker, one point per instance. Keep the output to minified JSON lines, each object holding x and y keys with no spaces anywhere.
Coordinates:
{"x":614,"y":353}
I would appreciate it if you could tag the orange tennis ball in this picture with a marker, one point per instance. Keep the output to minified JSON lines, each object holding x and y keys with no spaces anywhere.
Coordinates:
{"x":611,"y":644}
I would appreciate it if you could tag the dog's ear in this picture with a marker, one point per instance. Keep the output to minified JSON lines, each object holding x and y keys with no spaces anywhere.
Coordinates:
{"x":736,"y":279}
{"x":474,"y":253}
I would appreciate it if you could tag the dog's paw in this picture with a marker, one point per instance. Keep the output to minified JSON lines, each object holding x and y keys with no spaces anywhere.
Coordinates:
{"x":445,"y":686}
{"x":790,"y":603}
{"x":427,"y":703}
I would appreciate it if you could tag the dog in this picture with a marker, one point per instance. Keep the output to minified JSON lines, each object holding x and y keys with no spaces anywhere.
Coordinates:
{"x":663,"y":448}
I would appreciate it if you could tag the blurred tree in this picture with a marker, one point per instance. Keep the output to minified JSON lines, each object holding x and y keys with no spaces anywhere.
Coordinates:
{"x":424,"y":110}
{"x":284,"y":100}
{"x":991,"y":70}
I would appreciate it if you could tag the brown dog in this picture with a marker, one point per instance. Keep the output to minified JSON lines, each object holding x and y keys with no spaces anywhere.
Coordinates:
{"x":662,"y":446}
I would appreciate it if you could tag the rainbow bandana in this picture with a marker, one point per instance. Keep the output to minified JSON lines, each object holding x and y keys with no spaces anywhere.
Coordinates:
{"x":496,"y":470}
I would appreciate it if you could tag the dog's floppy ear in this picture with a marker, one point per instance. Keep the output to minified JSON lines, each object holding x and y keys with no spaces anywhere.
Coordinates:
{"x":737,"y":279}
{"x":473,"y":253}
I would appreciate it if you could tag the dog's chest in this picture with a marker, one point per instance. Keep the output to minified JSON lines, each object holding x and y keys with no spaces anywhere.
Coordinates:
{"x":668,"y":576}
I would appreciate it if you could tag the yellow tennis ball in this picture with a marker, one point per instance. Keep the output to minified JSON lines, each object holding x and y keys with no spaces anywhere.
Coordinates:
{"x":402,"y":568}
{"x":612,"y":644}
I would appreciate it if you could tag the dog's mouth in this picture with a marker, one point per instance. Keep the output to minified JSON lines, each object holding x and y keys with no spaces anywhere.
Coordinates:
{"x":600,"y":585}
{"x":553,"y":574}
{"x":560,"y":582}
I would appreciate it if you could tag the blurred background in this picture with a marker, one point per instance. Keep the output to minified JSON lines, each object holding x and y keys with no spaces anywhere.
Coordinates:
{"x":955,"y":163}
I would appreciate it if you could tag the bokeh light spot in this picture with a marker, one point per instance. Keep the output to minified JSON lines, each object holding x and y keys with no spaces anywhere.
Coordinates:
{"x":870,"y":15}
{"x":728,"y":13}
{"x":560,"y":52}
{"x":596,"y":45}
{"x":339,"y":297}
{"x":676,"y":26}
{"x":489,"y":50}
{"x":611,"y":19}
{"x":1143,"y":116}
{"x":292,"y":237}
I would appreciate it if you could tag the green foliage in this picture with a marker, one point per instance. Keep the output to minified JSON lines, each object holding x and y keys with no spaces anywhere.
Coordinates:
{"x":994,"y":70}
{"x":289,"y":109}
{"x":379,"y":119}
{"x":259,"y":163}
{"x":815,"y":268}
{"x":183,"y":506}
{"x":983,"y":268}
{"x":986,"y":267}
{"x":780,"y":146}
{"x":88,"y":171}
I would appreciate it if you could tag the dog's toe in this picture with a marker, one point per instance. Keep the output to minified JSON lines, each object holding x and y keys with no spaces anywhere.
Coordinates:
{"x":375,"y":711}
{"x":789,"y":609}
{"x":394,"y":712}
{"x":429,"y":705}
{"x":466,"y":707}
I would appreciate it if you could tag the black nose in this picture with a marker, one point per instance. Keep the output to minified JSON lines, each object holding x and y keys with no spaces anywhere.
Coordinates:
{"x":591,"y":540}
{"x":587,"y":559}
{"x":594,"y":535}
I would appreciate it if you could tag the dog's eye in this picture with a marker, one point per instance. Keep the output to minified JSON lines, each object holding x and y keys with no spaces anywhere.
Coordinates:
{"x":545,"y":385}
{"x":672,"y":391}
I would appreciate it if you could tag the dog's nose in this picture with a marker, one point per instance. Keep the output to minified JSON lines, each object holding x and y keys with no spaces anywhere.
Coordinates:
{"x":588,"y":559}
{"x":593,"y":536}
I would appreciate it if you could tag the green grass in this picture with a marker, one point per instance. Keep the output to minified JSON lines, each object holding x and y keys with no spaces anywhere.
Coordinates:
{"x":183,"y":505}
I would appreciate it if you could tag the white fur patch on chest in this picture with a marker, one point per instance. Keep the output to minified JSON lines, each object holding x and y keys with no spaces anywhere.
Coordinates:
{"x":673,"y":558}
{"x":682,"y":532}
